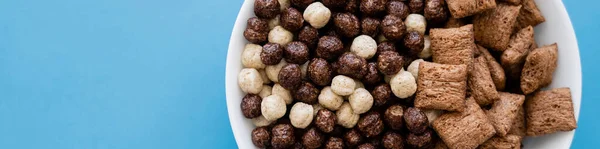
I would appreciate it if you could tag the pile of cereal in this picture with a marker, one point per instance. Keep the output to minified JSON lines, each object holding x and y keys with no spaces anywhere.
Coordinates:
{"x":399,"y":74}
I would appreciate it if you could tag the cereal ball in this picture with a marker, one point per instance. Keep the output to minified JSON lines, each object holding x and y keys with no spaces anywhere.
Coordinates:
{"x":416,"y":120}
{"x":304,"y":69}
{"x":370,"y":26}
{"x":329,"y":47}
{"x":353,"y":138}
{"x":261,"y":137}
{"x":334,"y":143}
{"x":364,"y":46}
{"x":351,"y":65}
{"x":334,"y":4}
{"x":283,"y":93}
{"x":261,"y":121}
{"x":296,"y":52}
{"x":328,"y":99}
{"x":432,"y":114}
{"x":271,"y":53}
{"x":283,"y":136}
{"x":251,"y":105}
{"x":398,"y":8}
{"x":375,"y":141}
{"x":372,"y":77}
{"x":346,"y":116}
{"x":394,"y":117}
{"x":372,"y":7}
{"x":280,"y":36}
{"x":370,"y":124}
{"x":413,"y":68}
{"x":316,"y":108}
{"x":414,"y":42}
{"x":381,"y":94}
{"x":351,"y":6}
{"x":319,"y":71}
{"x":250,"y":81}
{"x":416,"y":6}
{"x":325,"y":120}
{"x":291,"y":19}
{"x":266,"y":8}
{"x":273,"y":71}
{"x":251,"y":56}
{"x":290,"y":76}
{"x":381,"y":38}
{"x":272,"y":23}
{"x":284,"y":4}
{"x":272,"y":107}
{"x":387,"y":78}
{"x":436,"y":11}
{"x":301,"y":115}
{"x":256,"y":30}
{"x":392,"y":140}
{"x":358,"y":84}
{"x":342,"y":85}
{"x":307,"y":93}
{"x":420,"y":140}
{"x":346,"y":24}
{"x":263,"y":76}
{"x":366,"y":146}
{"x":386,"y":46}
{"x":317,"y":15}
{"x":403,"y":84}
{"x":301,"y":4}
{"x":361,"y":101}
{"x":297,"y":145}
{"x":313,"y":139}
{"x":393,"y":27}
{"x":389,"y":62}
{"x":309,"y":35}
{"x":416,"y":22}
{"x":426,"y":53}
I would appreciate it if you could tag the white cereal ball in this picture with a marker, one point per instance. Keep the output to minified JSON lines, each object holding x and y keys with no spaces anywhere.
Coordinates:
{"x":387,"y":78}
{"x":328,"y":99}
{"x":263,"y":75}
{"x":283,"y":93}
{"x":413,"y":68}
{"x":364,"y":46}
{"x":346,"y":116}
{"x":361,"y":101}
{"x":280,"y":35}
{"x":251,"y":56}
{"x":358,"y":84}
{"x":403,"y":84}
{"x":432,"y":114}
{"x":261,"y":121}
{"x":272,"y":107}
{"x":381,"y":38}
{"x":304,"y":69}
{"x":426,"y":53}
{"x":317,"y":15}
{"x":273,"y":71}
{"x":266,"y":91}
{"x":301,"y":115}
{"x":284,"y":4}
{"x":316,"y":108}
{"x":342,"y":85}
{"x":274,"y":22}
{"x":250,"y":81}
{"x":416,"y":22}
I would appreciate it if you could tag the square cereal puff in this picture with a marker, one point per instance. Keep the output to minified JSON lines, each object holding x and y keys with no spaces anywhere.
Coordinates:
{"x":464,"y":8}
{"x":493,"y":27}
{"x":453,"y":45}
{"x":496,"y":70}
{"x":455,"y":23}
{"x":530,"y":15}
{"x":518,"y":126}
{"x":539,"y":67}
{"x":482,"y":87}
{"x":440,"y":145}
{"x":467,"y":129}
{"x":504,"y":112}
{"x":513,"y":58}
{"x":506,"y":142}
{"x":441,"y":86}
{"x":550,"y":111}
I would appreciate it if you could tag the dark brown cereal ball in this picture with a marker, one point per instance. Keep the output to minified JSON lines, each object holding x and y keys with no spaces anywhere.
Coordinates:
{"x":319,"y":71}
{"x":416,"y":6}
{"x":393,"y":27}
{"x":420,"y":140}
{"x":334,"y":143}
{"x":372,"y":76}
{"x":372,"y":7}
{"x":392,"y":140}
{"x":309,"y":35}
{"x":386,"y":46}
{"x":414,"y":42}
{"x":334,"y":4}
{"x":296,"y":52}
{"x":376,"y":141}
{"x":257,"y":30}
{"x":353,"y":138}
{"x":257,"y":24}
{"x":282,"y":136}
{"x":291,"y":19}
{"x":370,"y":124}
{"x":271,"y":54}
{"x":381,"y":94}
{"x":346,"y":24}
{"x":312,"y":138}
{"x":394,"y":117}
{"x":325,"y":120}
{"x":301,"y":4}
{"x":398,"y":8}
{"x":266,"y":8}
{"x":338,"y":131}
{"x":261,"y":137}
{"x":370,"y":26}
{"x":352,"y":6}
{"x":290,"y":76}
{"x":366,"y":146}
{"x":329,"y":47}
{"x":436,"y":11}
{"x":306,"y":93}
{"x":416,"y":120}
{"x":251,"y":105}
{"x":298,"y":145}
{"x":351,"y":65}
{"x":389,"y":62}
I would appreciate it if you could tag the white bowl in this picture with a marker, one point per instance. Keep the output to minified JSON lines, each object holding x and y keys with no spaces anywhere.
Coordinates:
{"x":557,"y":28}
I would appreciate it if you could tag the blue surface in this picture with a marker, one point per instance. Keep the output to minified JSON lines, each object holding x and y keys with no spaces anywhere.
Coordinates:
{"x":150,"y":74}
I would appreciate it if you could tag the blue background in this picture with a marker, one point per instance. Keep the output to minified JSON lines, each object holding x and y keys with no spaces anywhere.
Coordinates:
{"x":150,"y":74}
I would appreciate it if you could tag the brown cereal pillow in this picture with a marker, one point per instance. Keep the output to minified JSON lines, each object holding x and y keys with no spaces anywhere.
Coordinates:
{"x":507,"y":142}
{"x":504,"y":112}
{"x":463,"y":8}
{"x":518,"y":126}
{"x":513,"y":57}
{"x":481,"y":84}
{"x":539,"y":67}
{"x":530,"y":15}
{"x":467,"y":129}
{"x":452,"y":46}
{"x":550,"y":111}
{"x":493,"y":27}
{"x":454,"y":22}
{"x":496,"y":70}
{"x":441,"y":86}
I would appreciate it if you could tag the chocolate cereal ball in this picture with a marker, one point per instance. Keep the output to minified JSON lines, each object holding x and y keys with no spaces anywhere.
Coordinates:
{"x":266,"y":8}
{"x":436,"y":11}
{"x":381,"y":94}
{"x":291,"y":19}
{"x":309,"y":35}
{"x":290,"y":76}
{"x":351,"y":6}
{"x":351,"y":65}
{"x":261,"y":137}
{"x":346,"y":24}
{"x":257,"y":30}
{"x":414,"y":42}
{"x":283,"y":136}
{"x":416,"y":6}
{"x":325,"y":120}
{"x":306,"y":93}
{"x":319,"y":71}
{"x":334,"y":143}
{"x":370,"y":124}
{"x":329,"y":47}
{"x":394,"y":117}
{"x":398,"y":8}
{"x":420,"y":140}
{"x":312,"y":139}
{"x":389,"y":62}
{"x":353,"y":138}
{"x":296,"y":52}
{"x":372,"y":7}
{"x":372,"y":76}
{"x":392,"y":140}
{"x":370,"y":26}
{"x":393,"y":27}
{"x":251,"y":105}
{"x":385,"y":46}
{"x":301,"y":4}
{"x":366,"y":146}
{"x":416,"y":120}
{"x":271,"y":54}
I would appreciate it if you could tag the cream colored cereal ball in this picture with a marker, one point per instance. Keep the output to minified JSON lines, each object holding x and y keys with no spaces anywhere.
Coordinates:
{"x":358,"y":84}
{"x":426,"y":53}
{"x":364,"y":46}
{"x":317,"y":15}
{"x":251,"y":56}
{"x":261,"y":121}
{"x":304,"y":69}
{"x":361,"y":101}
{"x":387,"y":78}
{"x":274,"y":22}
{"x":266,"y":91}
{"x":280,"y":35}
{"x":403,"y":84}
{"x":346,"y":116}
{"x":342,"y":85}
{"x":316,"y":108}
{"x":381,"y":38}
{"x":273,"y":71}
{"x":263,"y":75}
{"x":272,"y":107}
{"x":413,"y":68}
{"x":250,"y":81}
{"x":284,"y":4}
{"x":283,"y":93}
{"x":416,"y":22}
{"x":328,"y":99}
{"x":301,"y":115}
{"x":432,"y":114}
